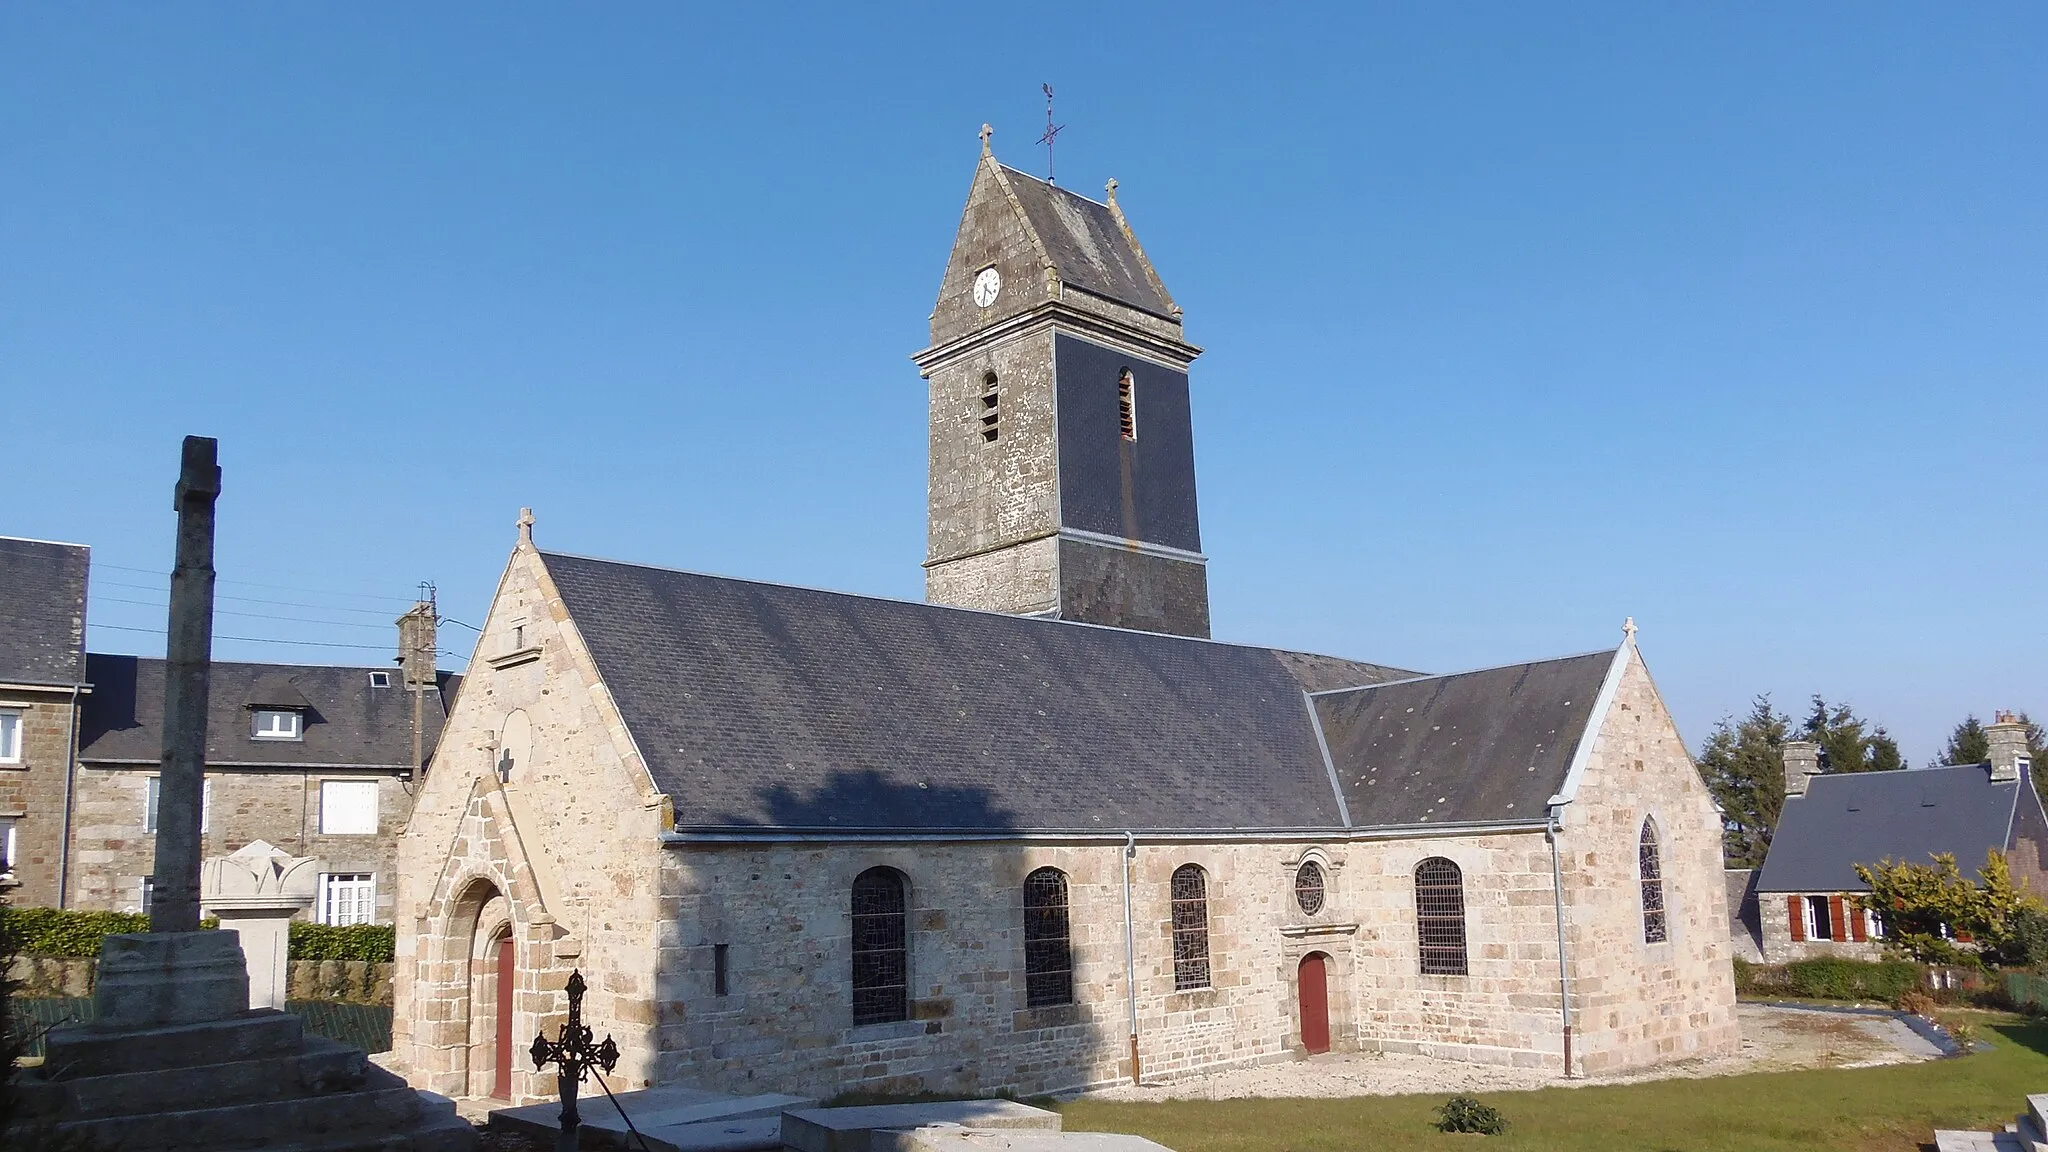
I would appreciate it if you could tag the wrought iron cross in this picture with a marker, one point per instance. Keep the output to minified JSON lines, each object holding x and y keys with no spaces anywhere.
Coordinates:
{"x":574,"y":1056}
{"x":1052,"y":131}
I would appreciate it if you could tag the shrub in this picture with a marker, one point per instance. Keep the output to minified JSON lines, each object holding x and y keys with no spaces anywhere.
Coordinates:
{"x":1464,"y":1114}
{"x":1915,"y":1001}
{"x":67,"y":931}
{"x":1830,"y":979}
{"x":373,"y":943}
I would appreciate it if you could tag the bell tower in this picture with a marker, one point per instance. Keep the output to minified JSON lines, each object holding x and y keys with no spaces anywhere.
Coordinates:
{"x":1062,"y":444}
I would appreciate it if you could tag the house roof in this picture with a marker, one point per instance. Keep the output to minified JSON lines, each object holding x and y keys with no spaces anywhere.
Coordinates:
{"x":1473,"y":747}
{"x":42,"y":612}
{"x":1089,"y":247}
{"x":765,"y":706}
{"x":347,"y":722}
{"x":1851,"y":818}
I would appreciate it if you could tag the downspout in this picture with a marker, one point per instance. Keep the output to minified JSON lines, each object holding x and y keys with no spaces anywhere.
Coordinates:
{"x":1131,"y":953}
{"x":64,"y":833}
{"x":1564,"y":966}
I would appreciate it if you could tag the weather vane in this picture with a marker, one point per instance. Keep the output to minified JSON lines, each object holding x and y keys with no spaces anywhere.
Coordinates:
{"x":1052,"y":131}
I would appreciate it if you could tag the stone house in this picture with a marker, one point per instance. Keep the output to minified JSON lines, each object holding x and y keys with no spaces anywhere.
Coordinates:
{"x":1040,"y":832}
{"x":319,"y":760}
{"x":1809,"y":900}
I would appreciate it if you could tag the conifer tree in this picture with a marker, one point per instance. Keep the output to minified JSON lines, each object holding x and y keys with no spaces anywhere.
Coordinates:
{"x":1967,"y":744}
{"x":1848,"y":742}
{"x":1744,"y":767}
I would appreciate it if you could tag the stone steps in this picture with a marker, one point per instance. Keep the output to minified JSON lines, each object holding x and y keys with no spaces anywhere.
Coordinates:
{"x":74,"y":1051}
{"x":321,"y":1066}
{"x":360,"y":1114}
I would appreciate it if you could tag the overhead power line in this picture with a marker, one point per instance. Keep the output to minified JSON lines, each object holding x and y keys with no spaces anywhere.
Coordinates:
{"x":257,"y":615}
{"x":260,"y":584}
{"x":253,"y":639}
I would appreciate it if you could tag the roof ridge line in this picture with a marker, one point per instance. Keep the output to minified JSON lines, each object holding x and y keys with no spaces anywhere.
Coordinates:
{"x":1462,"y":672}
{"x":40,"y":540}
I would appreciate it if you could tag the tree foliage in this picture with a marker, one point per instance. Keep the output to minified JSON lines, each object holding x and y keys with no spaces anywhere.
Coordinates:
{"x":1743,"y":765}
{"x":1967,"y":744}
{"x":1848,"y":742}
{"x":1927,"y":908}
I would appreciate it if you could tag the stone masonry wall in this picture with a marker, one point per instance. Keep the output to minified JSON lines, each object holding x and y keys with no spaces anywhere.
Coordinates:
{"x":1639,"y":1003}
{"x":1774,"y":911}
{"x":112,"y":852}
{"x":537,"y":818}
{"x":32,"y":792}
{"x":985,"y":494}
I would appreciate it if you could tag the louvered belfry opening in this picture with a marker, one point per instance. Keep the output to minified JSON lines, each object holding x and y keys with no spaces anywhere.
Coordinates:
{"x":1440,"y":917}
{"x":1654,"y":928}
{"x":1127,"y":405}
{"x":991,"y":412}
{"x":881,"y":952}
{"x":1308,"y":887}
{"x":1048,"y":950}
{"x":1190,"y":928}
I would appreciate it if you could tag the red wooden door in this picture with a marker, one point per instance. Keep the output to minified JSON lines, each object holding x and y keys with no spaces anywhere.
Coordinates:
{"x":1314,"y":983}
{"x":502,"y":1087}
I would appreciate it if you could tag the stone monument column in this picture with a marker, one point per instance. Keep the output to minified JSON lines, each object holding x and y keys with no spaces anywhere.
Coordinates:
{"x":256,"y":892}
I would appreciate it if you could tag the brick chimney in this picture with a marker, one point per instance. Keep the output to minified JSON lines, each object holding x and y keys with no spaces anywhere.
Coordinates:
{"x":2008,"y":737}
{"x":1802,"y":762}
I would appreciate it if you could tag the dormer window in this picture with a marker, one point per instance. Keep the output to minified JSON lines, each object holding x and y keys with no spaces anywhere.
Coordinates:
{"x":380,"y":679}
{"x":278,"y":724}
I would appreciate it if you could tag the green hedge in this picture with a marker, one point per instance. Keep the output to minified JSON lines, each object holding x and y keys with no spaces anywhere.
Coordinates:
{"x":70,"y":932}
{"x":369,"y":942}
{"x":1882,"y":981}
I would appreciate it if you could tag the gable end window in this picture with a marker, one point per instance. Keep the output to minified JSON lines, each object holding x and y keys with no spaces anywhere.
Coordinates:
{"x":1048,"y":951}
{"x":1440,"y":917}
{"x":1127,"y":405}
{"x":881,"y":947}
{"x":1654,"y":928}
{"x":1190,"y":893}
{"x":278,"y":724}
{"x":10,"y":736}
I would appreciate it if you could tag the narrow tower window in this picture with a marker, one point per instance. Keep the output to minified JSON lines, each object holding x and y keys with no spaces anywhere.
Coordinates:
{"x":881,"y":953}
{"x":991,"y":415}
{"x":1127,"y":405}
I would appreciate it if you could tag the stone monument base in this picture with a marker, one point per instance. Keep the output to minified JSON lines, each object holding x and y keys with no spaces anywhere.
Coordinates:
{"x":178,"y":1062}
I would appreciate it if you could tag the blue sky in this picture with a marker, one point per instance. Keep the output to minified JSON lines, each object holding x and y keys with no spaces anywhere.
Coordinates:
{"x":1520,"y":319}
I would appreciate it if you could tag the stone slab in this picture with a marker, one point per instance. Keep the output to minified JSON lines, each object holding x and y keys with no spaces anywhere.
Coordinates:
{"x":853,"y":1129}
{"x":2037,"y":1107}
{"x":1947,"y":1140}
{"x":155,"y":978}
{"x":678,"y":1117}
{"x":322,"y":1066}
{"x":99,"y":1049}
{"x":950,"y":1139}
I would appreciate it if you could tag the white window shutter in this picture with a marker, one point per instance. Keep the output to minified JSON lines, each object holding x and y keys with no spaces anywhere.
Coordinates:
{"x":348,"y":807}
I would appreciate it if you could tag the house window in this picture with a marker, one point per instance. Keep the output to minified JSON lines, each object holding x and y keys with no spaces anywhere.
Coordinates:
{"x":1814,"y":910}
{"x":153,"y":794}
{"x":718,"y":969}
{"x":348,"y":807}
{"x":1440,"y":917}
{"x":148,"y":894}
{"x":1127,"y":405}
{"x":380,"y":679}
{"x":7,"y":847}
{"x":348,"y":898}
{"x":277,"y":724}
{"x":1873,"y":923}
{"x":1048,"y":953}
{"x":1190,"y":893}
{"x":990,"y":411}
{"x":881,"y":947}
{"x":10,"y":736}
{"x":1654,"y":929}
{"x":1308,"y":887}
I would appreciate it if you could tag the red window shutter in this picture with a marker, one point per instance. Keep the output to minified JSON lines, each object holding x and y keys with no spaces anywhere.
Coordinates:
{"x":1856,"y":923}
{"x":1836,"y":921}
{"x":1798,"y":919}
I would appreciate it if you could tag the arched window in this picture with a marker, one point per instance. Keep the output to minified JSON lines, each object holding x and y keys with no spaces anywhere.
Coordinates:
{"x":881,"y":952}
{"x":991,"y":411}
{"x":1654,"y":930}
{"x":1308,"y":887}
{"x":1440,"y":917}
{"x":1190,"y":928}
{"x":1048,"y":953}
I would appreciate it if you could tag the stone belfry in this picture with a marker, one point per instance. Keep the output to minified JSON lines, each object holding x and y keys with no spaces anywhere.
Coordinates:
{"x":1062,"y":448}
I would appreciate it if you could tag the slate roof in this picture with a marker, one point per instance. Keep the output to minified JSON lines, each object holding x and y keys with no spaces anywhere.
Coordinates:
{"x":1850,"y":818}
{"x":42,"y":612}
{"x":347,"y":723}
{"x":1090,"y":250}
{"x":1474,"y":747}
{"x":765,"y":706}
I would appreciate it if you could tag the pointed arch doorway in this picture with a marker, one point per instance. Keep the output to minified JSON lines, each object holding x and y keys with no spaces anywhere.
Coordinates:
{"x":1312,"y":986}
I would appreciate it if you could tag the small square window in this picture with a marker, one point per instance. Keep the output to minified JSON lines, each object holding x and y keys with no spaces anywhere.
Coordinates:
{"x":348,"y":808}
{"x":278,"y":724}
{"x":380,"y":679}
{"x":10,"y":737}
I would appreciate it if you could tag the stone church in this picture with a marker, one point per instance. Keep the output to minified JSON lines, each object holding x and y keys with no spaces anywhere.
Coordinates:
{"x":1041,"y":831}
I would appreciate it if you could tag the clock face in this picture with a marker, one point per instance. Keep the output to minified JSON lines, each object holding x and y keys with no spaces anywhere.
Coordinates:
{"x":986,"y":286}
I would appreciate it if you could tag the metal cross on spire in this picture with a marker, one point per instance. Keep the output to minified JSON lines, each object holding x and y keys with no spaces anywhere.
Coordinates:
{"x":1052,"y":132}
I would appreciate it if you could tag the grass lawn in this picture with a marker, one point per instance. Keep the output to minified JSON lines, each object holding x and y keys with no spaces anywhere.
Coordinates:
{"x":1889,"y":1109}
